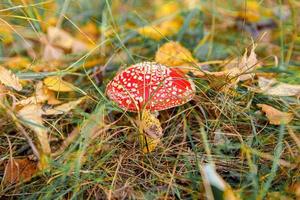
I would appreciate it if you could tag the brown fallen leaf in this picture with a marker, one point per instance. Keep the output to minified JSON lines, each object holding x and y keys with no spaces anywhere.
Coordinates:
{"x":56,"y":83}
{"x":9,"y":79}
{"x":19,"y":170}
{"x":63,"y":108}
{"x":173,"y":54}
{"x":275,"y":116}
{"x":275,"y":88}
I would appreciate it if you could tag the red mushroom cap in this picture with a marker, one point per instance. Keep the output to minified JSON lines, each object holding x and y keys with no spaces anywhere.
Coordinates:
{"x":151,"y":86}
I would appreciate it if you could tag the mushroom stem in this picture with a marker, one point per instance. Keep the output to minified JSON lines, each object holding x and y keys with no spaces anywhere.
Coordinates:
{"x":150,"y":131}
{"x":151,"y":125}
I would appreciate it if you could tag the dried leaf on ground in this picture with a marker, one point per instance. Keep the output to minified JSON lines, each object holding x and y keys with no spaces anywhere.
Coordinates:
{"x":9,"y":79}
{"x":60,"y":38}
{"x":17,"y":62}
{"x":19,"y":170}
{"x":41,"y":95}
{"x":56,"y":83}
{"x":32,"y":117}
{"x":273,"y":87}
{"x":64,"y":40}
{"x":63,"y":108}
{"x":242,"y":68}
{"x":174,"y":54}
{"x":275,"y":116}
{"x":52,"y":53}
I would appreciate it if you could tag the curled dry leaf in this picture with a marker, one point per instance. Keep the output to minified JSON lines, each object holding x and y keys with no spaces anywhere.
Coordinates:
{"x":63,"y":108}
{"x":243,"y":67}
{"x":19,"y":170}
{"x":56,"y":83}
{"x":173,"y":54}
{"x":273,"y":87}
{"x":32,"y":117}
{"x":9,"y":79}
{"x":275,"y":116}
{"x":41,"y":95}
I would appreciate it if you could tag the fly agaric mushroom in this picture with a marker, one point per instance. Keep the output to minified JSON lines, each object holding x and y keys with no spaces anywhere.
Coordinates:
{"x":149,"y":87}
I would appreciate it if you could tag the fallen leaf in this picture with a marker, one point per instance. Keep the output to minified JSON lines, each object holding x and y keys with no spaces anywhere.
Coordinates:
{"x":9,"y":79}
{"x":162,"y":30}
{"x":64,"y":108}
{"x":32,"y":117}
{"x":52,"y":53}
{"x":174,"y":54}
{"x":275,"y":88}
{"x":52,"y":100}
{"x":78,"y":46}
{"x":19,"y":170}
{"x":275,"y":116}
{"x":40,"y":96}
{"x":17,"y":63}
{"x":56,"y":83}
{"x":60,"y":38}
{"x":242,"y":68}
{"x":169,"y":26}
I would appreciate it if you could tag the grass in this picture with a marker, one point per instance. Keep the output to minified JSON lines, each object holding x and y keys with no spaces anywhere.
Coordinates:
{"x":226,"y":129}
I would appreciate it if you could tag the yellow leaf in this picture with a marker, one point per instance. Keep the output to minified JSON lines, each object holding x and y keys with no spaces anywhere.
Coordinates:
{"x":55,"y":83}
{"x":64,"y":108}
{"x":173,"y":54}
{"x":17,"y":63}
{"x":165,"y":29}
{"x":19,"y":170}
{"x":166,"y":9}
{"x":32,"y":117}
{"x":273,"y":87}
{"x":9,"y":79}
{"x":275,"y":116}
